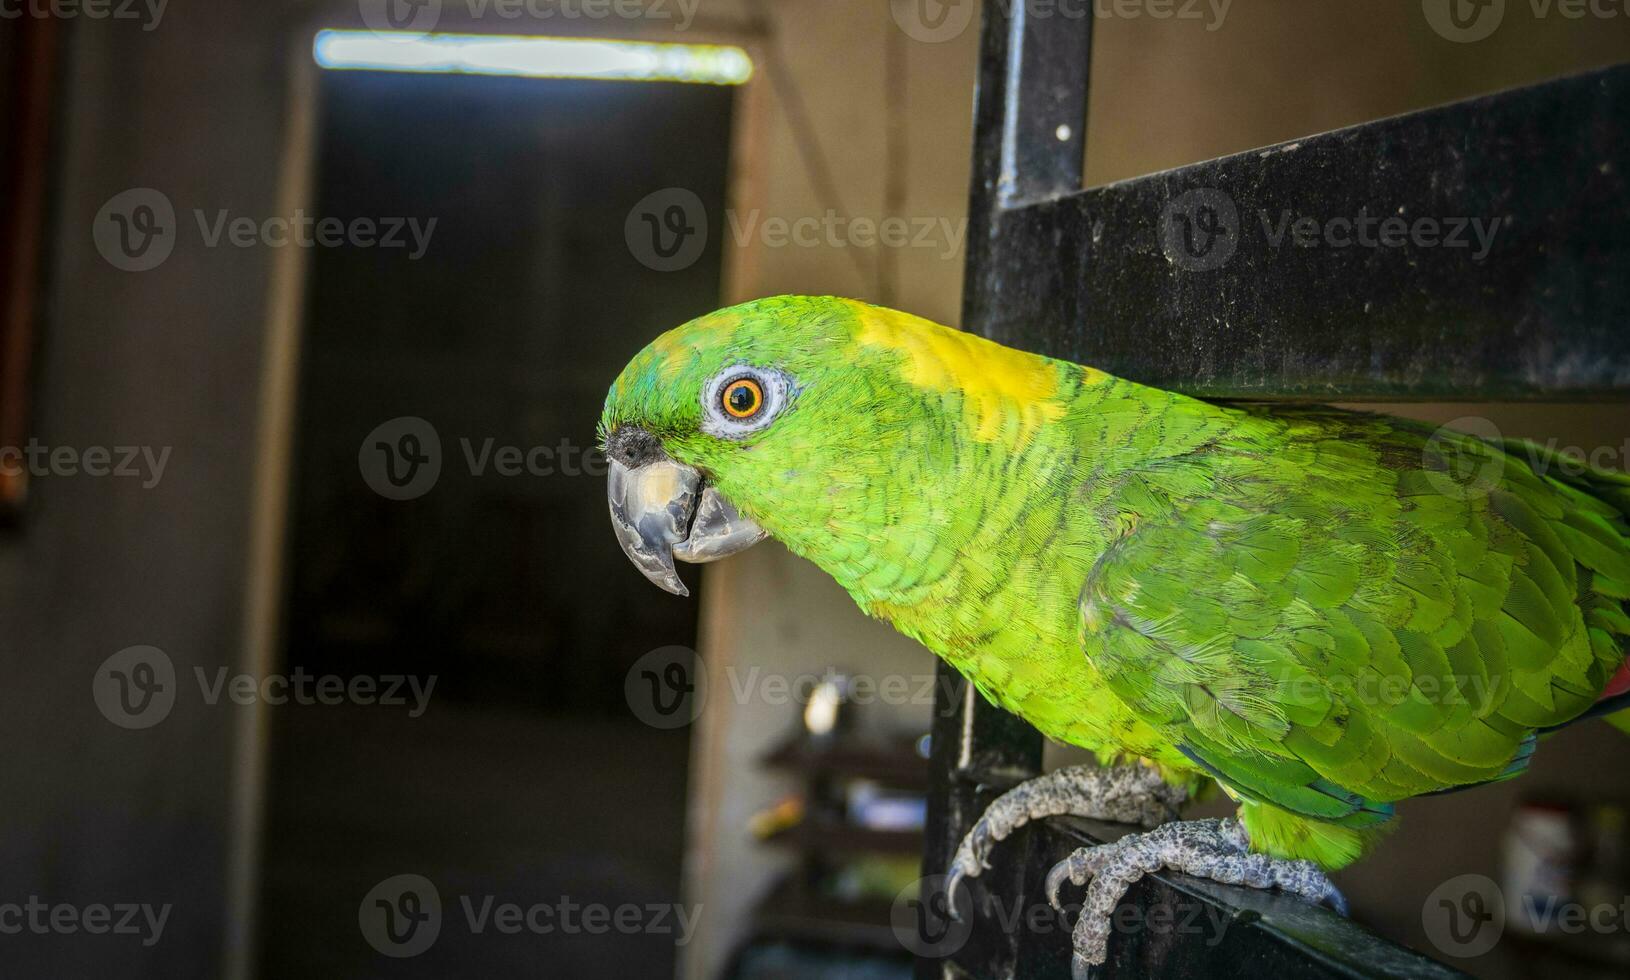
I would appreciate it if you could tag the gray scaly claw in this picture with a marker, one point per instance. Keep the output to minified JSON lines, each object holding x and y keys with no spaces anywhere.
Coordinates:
{"x":952,"y":880}
{"x":972,"y":858}
{"x":1215,"y":849}
{"x":1072,"y":869}
{"x":1125,"y":794}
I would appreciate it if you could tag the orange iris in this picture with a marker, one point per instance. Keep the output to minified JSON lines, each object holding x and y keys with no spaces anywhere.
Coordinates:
{"x":742,"y":398}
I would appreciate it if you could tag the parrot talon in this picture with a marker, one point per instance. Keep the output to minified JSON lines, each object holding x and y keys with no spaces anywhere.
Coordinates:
{"x":952,"y":880}
{"x":1073,"y":869}
{"x":1080,"y":967}
{"x":1124,"y":794}
{"x":1337,"y":901}
{"x":969,"y":863}
{"x":1218,"y":850}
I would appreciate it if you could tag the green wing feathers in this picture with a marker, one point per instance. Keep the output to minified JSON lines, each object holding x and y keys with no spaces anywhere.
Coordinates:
{"x":1331,"y":611}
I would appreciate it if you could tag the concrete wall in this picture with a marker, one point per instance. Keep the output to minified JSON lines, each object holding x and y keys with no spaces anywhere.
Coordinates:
{"x":169,"y":358}
{"x":1170,"y":92}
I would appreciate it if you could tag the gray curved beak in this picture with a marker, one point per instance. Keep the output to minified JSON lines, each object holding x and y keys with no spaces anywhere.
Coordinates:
{"x":662,"y":510}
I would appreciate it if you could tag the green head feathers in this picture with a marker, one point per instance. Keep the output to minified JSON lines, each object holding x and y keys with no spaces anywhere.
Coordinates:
{"x":782,"y":364}
{"x":817,"y":416}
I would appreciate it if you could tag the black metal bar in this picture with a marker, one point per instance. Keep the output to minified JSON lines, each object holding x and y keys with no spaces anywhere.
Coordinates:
{"x":1033,"y":76}
{"x":1199,"y":279}
{"x":978,"y":751}
{"x":1171,"y":925}
{"x":1044,"y":103}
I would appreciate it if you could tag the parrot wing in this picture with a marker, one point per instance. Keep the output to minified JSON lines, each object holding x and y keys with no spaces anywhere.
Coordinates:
{"x":1331,"y":611}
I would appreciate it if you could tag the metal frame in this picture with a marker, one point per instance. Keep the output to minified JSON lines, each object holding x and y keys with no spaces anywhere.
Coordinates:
{"x":1231,"y":312}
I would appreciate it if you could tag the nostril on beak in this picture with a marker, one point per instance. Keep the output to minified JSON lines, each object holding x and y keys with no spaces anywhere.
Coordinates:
{"x":633,"y":447}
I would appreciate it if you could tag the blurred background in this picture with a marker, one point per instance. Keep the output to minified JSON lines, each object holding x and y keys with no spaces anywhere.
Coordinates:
{"x":317,"y":655}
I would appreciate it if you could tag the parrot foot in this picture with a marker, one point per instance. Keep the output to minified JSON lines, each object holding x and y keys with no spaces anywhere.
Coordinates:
{"x":1123,"y":794}
{"x":1218,"y":850}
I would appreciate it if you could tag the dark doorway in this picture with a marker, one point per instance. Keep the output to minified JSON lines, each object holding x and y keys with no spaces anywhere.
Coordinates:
{"x":527,"y":779}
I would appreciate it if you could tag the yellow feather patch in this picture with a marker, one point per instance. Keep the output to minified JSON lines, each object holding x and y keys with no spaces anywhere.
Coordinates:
{"x":1005,"y":393}
{"x":672,"y":353}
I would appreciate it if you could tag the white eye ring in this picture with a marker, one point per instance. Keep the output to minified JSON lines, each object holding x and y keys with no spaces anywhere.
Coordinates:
{"x":778,"y":390}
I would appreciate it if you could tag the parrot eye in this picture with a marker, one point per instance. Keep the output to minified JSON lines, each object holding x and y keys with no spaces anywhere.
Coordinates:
{"x":741,"y":400}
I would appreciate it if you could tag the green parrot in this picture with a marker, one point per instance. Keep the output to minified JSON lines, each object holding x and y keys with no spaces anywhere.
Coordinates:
{"x":1324,"y":612}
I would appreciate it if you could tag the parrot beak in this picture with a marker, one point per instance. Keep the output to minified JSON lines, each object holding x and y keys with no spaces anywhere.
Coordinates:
{"x":662,"y":510}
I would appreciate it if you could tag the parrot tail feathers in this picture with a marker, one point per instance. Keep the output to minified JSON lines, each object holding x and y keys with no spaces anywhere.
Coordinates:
{"x":1519,"y":762}
{"x":1284,"y":834}
{"x":1593,"y":524}
{"x":1613,"y":705}
{"x":1288,"y":784}
{"x":1613,"y":708}
{"x":1516,"y":767}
